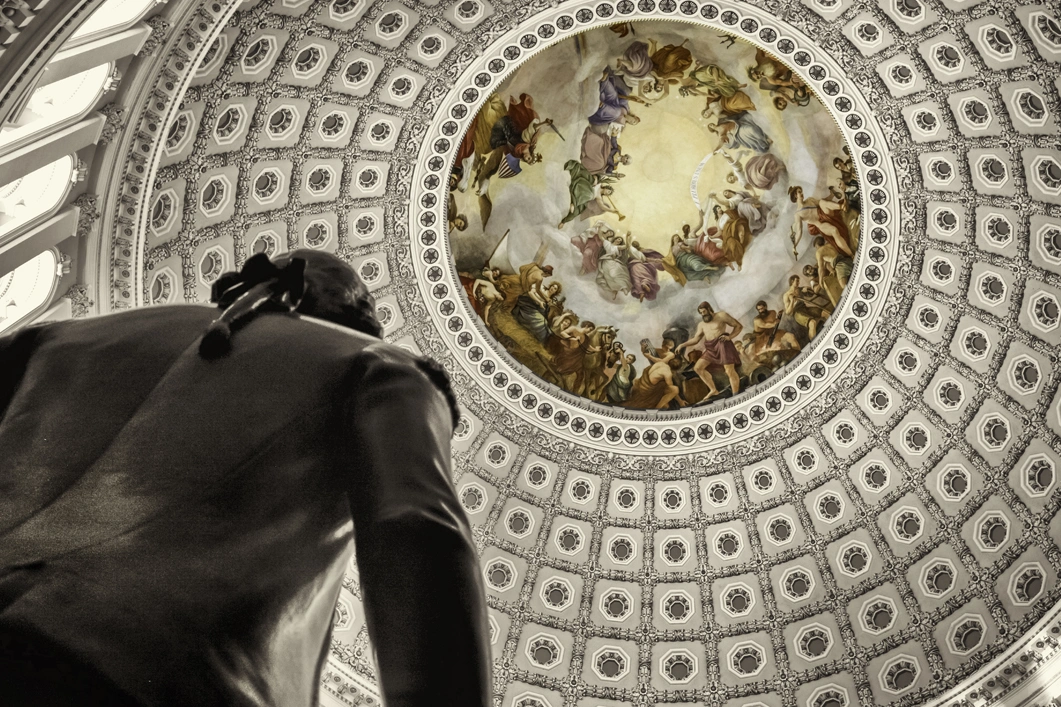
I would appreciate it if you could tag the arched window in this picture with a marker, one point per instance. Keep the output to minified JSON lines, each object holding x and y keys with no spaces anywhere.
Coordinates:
{"x":56,"y":102}
{"x":38,"y":193}
{"x":110,"y":17}
{"x":27,"y":289}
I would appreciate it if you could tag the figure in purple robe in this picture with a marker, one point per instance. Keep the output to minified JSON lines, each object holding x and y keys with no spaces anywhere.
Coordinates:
{"x":644,"y":266}
{"x":614,"y":104}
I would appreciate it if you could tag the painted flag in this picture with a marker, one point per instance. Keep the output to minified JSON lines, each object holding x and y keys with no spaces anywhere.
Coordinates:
{"x":510,"y":167}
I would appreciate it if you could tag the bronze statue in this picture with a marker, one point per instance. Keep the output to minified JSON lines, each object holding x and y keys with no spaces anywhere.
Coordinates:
{"x":177,"y":510}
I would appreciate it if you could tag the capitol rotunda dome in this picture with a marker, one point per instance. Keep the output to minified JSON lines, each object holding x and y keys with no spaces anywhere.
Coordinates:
{"x":753,"y":309}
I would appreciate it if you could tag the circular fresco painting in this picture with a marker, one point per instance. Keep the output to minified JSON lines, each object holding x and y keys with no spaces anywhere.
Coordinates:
{"x":654,"y":215}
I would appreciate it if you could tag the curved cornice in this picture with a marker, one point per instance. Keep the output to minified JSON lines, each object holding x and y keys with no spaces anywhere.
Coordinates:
{"x":42,"y":34}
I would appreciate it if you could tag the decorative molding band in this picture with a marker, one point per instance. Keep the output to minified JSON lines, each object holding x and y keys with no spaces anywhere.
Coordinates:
{"x":642,"y":432}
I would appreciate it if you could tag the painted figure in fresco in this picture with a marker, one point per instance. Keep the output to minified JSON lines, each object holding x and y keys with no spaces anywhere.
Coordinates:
{"x":655,"y":389}
{"x":469,"y":282}
{"x":559,"y":335}
{"x":657,"y":68}
{"x":732,"y":228}
{"x":848,"y":174}
{"x":719,"y":89}
{"x":590,"y":196}
{"x":669,"y":64}
{"x":739,"y":217}
{"x":570,"y":348}
{"x":811,"y":272}
{"x":834,"y":269}
{"x":622,"y":380}
{"x":504,"y":162}
{"x":687,"y":259}
{"x":747,"y":205}
{"x":822,"y":217}
{"x":644,"y":266}
{"x":803,"y":306}
{"x":776,"y":78}
{"x":705,"y":242}
{"x":589,"y":244}
{"x":613,"y":275}
{"x":500,"y":140}
{"x":591,"y":380}
{"x":528,"y":281}
{"x":532,"y":278}
{"x":457,"y":221}
{"x":517,"y":127}
{"x":737,"y":174}
{"x":615,"y":97}
{"x":533,"y":313}
{"x":476,"y":141}
{"x":685,"y":264}
{"x":849,"y":208}
{"x":601,"y":153}
{"x":713,"y":339}
{"x":737,"y":131}
{"x":612,"y":356}
{"x":635,"y":63}
{"x":760,"y":172}
{"x":559,"y":324}
{"x":557,"y":305}
{"x":520,"y":125}
{"x":769,"y":336}
{"x":816,"y":294}
{"x":485,"y":293}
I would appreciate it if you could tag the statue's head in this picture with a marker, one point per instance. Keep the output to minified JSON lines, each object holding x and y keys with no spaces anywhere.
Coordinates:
{"x":334,"y":292}
{"x":311,"y":282}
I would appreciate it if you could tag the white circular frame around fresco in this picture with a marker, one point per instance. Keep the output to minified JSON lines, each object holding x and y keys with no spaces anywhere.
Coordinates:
{"x":578,"y":419}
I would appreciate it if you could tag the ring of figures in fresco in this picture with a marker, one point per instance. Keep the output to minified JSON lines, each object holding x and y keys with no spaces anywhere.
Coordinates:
{"x":592,"y":300}
{"x":819,"y":358}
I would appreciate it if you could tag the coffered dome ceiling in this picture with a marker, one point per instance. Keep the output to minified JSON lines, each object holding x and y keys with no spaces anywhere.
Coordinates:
{"x":872,"y":520}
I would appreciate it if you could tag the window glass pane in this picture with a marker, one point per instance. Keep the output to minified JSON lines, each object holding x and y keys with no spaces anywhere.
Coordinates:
{"x":55,"y":102}
{"x":36,"y":194}
{"x":26,"y":289}
{"x":112,"y":15}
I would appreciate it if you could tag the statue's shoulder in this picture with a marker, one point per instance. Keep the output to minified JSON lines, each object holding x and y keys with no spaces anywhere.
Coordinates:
{"x":433,"y":371}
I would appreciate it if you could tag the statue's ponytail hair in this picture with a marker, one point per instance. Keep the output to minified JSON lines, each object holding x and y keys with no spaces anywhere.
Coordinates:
{"x":313,"y":283}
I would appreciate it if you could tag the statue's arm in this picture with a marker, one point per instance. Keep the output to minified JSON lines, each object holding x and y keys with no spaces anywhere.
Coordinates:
{"x":424,"y":600}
